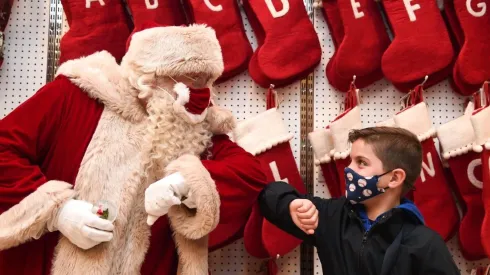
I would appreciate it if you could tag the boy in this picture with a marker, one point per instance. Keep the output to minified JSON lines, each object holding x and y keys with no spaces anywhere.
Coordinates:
{"x":373,"y":230}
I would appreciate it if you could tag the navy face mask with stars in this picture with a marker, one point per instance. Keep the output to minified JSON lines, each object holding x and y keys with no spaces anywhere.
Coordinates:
{"x":359,"y":188}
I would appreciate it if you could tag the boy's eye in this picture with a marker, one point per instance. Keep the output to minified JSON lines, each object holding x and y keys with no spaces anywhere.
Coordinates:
{"x":362,"y":163}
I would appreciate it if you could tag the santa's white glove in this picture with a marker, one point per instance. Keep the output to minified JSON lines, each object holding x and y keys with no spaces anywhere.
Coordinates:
{"x":82,"y":227}
{"x":165,"y":193}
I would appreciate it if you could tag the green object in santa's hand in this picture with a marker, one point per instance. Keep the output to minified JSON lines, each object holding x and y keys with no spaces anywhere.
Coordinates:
{"x":105,"y":214}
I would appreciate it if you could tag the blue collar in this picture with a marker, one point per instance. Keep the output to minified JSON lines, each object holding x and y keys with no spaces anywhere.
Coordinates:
{"x":405,"y":205}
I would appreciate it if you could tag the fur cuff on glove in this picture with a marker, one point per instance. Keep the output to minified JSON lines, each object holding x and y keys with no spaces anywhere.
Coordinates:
{"x":29,"y":219}
{"x":192,"y":226}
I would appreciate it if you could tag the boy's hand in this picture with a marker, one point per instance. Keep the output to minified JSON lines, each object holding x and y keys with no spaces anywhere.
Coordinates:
{"x":304,"y":215}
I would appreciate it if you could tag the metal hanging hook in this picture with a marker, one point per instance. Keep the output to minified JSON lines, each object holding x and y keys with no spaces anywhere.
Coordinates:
{"x":353,"y":79}
{"x":425,"y":80}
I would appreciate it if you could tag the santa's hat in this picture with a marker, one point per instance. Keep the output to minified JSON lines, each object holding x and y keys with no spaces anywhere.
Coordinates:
{"x":182,"y":51}
{"x":175,"y":51}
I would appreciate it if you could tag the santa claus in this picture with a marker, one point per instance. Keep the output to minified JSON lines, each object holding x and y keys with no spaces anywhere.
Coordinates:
{"x":144,"y":139}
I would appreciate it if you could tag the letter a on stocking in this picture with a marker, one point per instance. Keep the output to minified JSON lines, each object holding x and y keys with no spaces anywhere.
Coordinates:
{"x":95,"y":25}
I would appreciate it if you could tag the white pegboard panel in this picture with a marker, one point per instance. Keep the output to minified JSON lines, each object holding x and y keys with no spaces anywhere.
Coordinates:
{"x":246,"y":99}
{"x":26,"y":41}
{"x":380,"y":102}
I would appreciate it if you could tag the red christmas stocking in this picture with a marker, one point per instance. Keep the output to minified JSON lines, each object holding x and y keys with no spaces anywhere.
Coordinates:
{"x":331,"y":14}
{"x":341,"y":126}
{"x":456,"y":138}
{"x":5,"y":9}
{"x":362,"y":22}
{"x":266,"y":137}
{"x":453,"y":23}
{"x":432,"y":194}
{"x":421,"y":45}
{"x":473,"y":63}
{"x":95,"y":25}
{"x":322,"y":143}
{"x":479,"y":120}
{"x":224,"y":17}
{"x":281,"y":58}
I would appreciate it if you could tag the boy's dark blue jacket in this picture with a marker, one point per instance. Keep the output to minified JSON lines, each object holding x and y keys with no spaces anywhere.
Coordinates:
{"x":348,"y":243}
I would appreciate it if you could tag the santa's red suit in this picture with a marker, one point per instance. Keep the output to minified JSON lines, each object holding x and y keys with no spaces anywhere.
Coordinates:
{"x":83,"y":135}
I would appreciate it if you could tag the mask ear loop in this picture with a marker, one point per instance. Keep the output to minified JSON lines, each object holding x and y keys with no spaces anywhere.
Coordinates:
{"x":385,"y":174}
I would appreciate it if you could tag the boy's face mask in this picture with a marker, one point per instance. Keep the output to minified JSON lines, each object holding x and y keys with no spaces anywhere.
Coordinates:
{"x":359,"y":188}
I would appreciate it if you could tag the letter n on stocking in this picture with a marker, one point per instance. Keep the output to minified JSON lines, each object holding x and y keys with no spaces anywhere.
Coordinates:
{"x":432,"y":194}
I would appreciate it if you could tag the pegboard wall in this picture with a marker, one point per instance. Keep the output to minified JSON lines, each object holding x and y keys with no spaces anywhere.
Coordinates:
{"x":24,"y":72}
{"x":380,"y":101}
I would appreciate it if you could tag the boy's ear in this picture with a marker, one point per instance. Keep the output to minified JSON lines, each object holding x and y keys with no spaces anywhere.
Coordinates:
{"x":397,"y":178}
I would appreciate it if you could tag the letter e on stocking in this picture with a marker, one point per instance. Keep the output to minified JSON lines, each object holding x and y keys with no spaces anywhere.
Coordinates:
{"x":88,"y":2}
{"x":355,"y":8}
{"x":429,"y":169}
{"x":410,"y":9}
{"x":274,"y":12}
{"x":482,"y":6}
{"x":275,"y":172}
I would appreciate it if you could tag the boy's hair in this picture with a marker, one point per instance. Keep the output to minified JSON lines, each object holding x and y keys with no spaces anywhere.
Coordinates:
{"x":396,"y":148}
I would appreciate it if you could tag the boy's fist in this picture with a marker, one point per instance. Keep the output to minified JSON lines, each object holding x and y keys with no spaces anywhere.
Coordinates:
{"x":304,"y":215}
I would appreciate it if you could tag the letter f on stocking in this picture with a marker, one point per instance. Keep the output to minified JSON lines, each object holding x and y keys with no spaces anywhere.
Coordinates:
{"x":410,"y":9}
{"x":275,"y":172}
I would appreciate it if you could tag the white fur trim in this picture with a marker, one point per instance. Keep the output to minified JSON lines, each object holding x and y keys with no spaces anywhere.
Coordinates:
{"x":340,"y":132}
{"x":175,"y":51}
{"x":387,"y":123}
{"x":262,"y":132}
{"x":322,"y":143}
{"x":183,"y":93}
{"x":33,"y":216}
{"x":103,"y":79}
{"x":417,"y":120}
{"x":456,"y":137}
{"x":481,"y":122}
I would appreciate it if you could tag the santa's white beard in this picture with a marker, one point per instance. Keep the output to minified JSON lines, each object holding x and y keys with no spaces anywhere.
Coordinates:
{"x":168,"y":136}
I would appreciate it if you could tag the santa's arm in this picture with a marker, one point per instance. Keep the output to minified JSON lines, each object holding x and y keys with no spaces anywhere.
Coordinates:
{"x":222,"y":188}
{"x":238,"y":176}
{"x":27,"y":199}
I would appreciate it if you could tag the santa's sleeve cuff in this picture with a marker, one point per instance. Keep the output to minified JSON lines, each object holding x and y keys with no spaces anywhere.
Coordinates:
{"x":322,"y":144}
{"x":416,"y":119}
{"x":480,"y":121}
{"x":195,"y":223}
{"x":456,"y":137}
{"x":262,"y":132}
{"x":30,"y":218}
{"x":340,"y":131}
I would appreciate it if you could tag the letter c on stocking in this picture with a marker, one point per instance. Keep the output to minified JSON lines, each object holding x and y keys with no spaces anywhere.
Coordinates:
{"x":213,"y":7}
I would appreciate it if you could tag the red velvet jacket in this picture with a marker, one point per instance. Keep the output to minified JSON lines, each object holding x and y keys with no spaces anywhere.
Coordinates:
{"x":46,"y":138}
